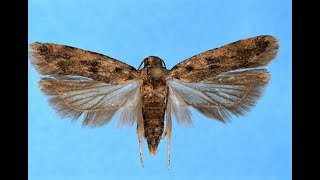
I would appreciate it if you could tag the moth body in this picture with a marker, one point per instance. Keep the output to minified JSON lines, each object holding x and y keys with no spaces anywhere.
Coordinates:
{"x":154,"y":93}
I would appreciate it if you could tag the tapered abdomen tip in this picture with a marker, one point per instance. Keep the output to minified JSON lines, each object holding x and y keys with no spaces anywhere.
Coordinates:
{"x":153,"y":151}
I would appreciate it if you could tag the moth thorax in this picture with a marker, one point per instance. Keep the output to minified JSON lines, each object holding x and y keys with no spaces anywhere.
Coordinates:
{"x":156,"y":72}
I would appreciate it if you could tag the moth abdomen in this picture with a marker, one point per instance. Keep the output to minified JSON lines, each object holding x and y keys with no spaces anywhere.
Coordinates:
{"x":153,"y":119}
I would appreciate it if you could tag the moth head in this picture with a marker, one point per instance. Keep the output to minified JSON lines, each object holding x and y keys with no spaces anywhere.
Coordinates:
{"x":152,"y":62}
{"x":155,"y":66}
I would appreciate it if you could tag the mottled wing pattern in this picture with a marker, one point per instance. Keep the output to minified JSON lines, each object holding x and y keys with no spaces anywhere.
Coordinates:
{"x":56,"y":59}
{"x":247,"y":53}
{"x":83,"y":82}
{"x":222,"y":82}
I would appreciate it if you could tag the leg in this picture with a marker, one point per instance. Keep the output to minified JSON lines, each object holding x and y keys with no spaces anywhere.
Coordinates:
{"x":167,"y":132}
{"x":140,"y":132}
{"x":140,"y":150}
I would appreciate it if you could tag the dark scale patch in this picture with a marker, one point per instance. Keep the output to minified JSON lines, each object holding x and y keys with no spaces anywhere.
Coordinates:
{"x":189,"y":68}
{"x":261,"y":47}
{"x":244,"y":64}
{"x":93,"y":69}
{"x":215,"y":59}
{"x":118,"y":69}
{"x":84,"y":62}
{"x":245,"y":54}
{"x":63,"y":54}
{"x":130,"y":77}
{"x":94,"y":65}
{"x":63,"y":65}
{"x":43,"y":49}
{"x":90,"y":62}
{"x":214,"y":66}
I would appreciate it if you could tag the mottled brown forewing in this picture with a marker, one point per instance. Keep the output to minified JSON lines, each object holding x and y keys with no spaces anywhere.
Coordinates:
{"x":247,"y":53}
{"x":55,"y":59}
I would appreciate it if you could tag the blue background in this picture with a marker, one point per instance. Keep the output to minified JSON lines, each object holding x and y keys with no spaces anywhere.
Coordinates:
{"x":254,"y":147}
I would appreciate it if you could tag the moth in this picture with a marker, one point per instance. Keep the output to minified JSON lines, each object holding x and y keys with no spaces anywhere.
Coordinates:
{"x":218,"y":83}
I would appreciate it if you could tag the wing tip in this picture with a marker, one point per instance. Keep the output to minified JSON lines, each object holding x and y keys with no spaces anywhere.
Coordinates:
{"x":270,"y":52}
{"x":37,"y":60}
{"x":34,"y":45}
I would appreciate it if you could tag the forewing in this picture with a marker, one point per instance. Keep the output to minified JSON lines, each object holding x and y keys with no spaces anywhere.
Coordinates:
{"x":247,"y":53}
{"x":219,"y":97}
{"x":74,"y":96}
{"x":55,"y":59}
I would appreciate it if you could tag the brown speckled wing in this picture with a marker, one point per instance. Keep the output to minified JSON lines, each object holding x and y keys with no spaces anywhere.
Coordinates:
{"x":221,"y":82}
{"x":247,"y":53}
{"x":56,"y":59}
{"x":80,"y":82}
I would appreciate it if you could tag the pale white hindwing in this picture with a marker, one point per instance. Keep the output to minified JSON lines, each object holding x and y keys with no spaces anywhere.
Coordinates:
{"x":73,"y":96}
{"x":219,"y":97}
{"x":178,"y":105}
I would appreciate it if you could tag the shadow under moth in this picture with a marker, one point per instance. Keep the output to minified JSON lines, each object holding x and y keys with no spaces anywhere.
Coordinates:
{"x":218,"y":83}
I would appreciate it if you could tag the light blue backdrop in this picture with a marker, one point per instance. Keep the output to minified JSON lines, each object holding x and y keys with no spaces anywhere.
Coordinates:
{"x":254,"y":147}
